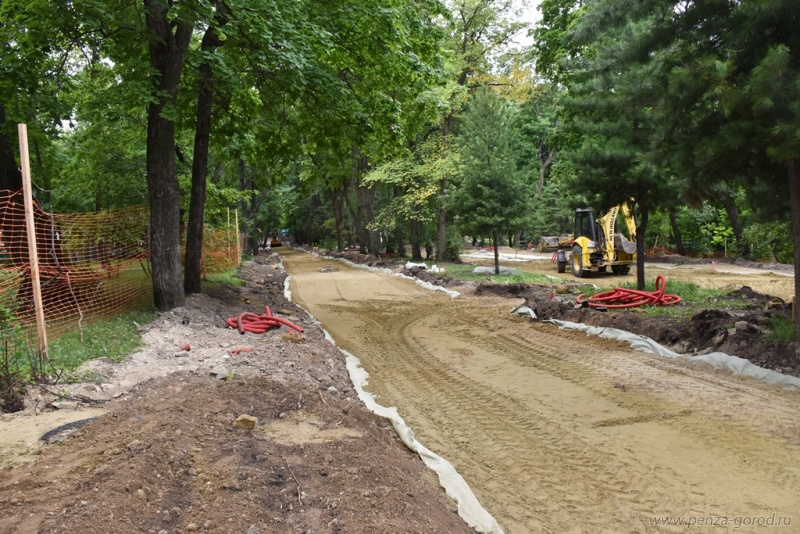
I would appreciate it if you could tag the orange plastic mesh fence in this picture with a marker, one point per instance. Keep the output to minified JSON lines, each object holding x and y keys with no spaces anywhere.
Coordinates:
{"x":91,"y":265}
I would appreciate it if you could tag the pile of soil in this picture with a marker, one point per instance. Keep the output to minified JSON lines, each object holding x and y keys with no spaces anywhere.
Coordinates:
{"x":742,"y":332}
{"x":254,"y":433}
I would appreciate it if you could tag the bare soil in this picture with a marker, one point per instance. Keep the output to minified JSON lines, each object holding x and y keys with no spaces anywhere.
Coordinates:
{"x":554,"y":431}
{"x":557,"y":431}
{"x":165,"y":456}
{"x":761,"y":291}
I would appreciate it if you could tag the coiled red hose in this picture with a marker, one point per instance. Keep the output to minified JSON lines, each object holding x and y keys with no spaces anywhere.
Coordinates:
{"x":258,"y":324}
{"x":630,"y":298}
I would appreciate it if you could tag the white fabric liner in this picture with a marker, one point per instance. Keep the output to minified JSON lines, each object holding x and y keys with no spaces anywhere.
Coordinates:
{"x":719,"y":360}
{"x":490,"y":270}
{"x":469,"y":508}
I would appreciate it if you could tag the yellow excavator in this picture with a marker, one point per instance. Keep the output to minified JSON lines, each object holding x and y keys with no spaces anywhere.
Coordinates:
{"x":598,"y":243}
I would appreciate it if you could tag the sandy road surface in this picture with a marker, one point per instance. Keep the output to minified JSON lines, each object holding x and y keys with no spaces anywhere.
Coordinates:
{"x":555,"y":431}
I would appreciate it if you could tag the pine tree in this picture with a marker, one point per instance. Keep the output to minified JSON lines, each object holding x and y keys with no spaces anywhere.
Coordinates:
{"x":492,"y":198}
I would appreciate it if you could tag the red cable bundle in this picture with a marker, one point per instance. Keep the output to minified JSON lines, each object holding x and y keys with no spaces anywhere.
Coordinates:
{"x":629,"y":298}
{"x":258,"y":324}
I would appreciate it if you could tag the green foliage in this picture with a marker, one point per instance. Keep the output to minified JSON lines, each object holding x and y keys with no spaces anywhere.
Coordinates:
{"x":14,"y":355}
{"x":453,"y":244}
{"x":491,"y":199}
{"x":770,"y":241}
{"x":781,"y":330}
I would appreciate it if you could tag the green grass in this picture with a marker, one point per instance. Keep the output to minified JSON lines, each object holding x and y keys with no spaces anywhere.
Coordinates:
{"x":694,"y":298}
{"x":781,"y":330}
{"x":463,"y":271}
{"x":113,"y":339}
{"x":228,"y":277}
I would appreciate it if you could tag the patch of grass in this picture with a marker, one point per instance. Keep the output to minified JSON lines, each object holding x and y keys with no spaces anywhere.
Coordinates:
{"x":781,"y":330}
{"x":228,"y":277}
{"x":463,"y":271}
{"x":694,"y":299}
{"x":113,"y":339}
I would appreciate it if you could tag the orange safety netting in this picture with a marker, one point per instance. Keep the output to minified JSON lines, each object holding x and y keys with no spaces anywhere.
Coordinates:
{"x":91,"y":265}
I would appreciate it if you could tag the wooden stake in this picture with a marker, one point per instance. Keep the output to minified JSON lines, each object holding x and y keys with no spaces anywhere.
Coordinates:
{"x":228,"y":234}
{"x":41,"y":329}
{"x":238,"y":238}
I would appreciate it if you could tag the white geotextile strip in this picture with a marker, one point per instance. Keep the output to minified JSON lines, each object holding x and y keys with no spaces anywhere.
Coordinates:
{"x":717,"y":359}
{"x":469,"y":508}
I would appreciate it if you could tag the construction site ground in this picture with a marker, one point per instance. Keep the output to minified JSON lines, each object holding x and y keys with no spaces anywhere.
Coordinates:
{"x":554,"y":431}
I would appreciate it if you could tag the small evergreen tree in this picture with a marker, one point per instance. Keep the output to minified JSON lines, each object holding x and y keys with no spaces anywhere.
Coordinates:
{"x":492,"y":198}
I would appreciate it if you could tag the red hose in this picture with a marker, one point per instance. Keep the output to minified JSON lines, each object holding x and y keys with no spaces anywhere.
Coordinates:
{"x":629,"y":298}
{"x":258,"y":324}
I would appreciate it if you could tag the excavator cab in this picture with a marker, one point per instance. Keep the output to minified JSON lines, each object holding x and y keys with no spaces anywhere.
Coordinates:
{"x":584,"y":224}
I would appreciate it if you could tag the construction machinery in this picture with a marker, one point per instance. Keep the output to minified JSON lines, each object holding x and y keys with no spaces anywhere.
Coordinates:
{"x":598,"y":243}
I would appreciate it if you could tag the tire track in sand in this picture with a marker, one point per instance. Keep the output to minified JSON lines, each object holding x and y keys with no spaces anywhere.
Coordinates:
{"x":547,"y":442}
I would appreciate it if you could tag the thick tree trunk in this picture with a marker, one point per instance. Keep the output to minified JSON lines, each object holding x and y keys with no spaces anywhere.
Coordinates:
{"x":676,"y":232}
{"x":167,"y":53}
{"x":794,"y":199}
{"x":10,"y":177}
{"x":644,"y":217}
{"x":202,"y":135}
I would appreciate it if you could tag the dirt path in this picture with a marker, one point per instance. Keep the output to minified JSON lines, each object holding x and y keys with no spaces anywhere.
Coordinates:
{"x":555,"y":431}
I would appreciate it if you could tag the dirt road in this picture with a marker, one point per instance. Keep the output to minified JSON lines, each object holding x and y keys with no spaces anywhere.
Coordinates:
{"x":556,"y":431}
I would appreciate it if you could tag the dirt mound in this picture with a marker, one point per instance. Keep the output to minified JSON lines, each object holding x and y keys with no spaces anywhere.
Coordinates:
{"x":740,"y":332}
{"x":512,"y":290}
{"x":168,"y":456}
{"x":172,"y":458}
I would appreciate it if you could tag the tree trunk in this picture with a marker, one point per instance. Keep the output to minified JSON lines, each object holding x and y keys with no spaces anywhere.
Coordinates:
{"x":442,"y":223}
{"x":10,"y":177}
{"x":250,"y":207}
{"x":729,"y":203}
{"x":167,"y":53}
{"x":543,"y":168}
{"x":640,"y":250}
{"x":366,"y":197}
{"x":337,"y":199}
{"x":794,"y":199}
{"x":355,"y":217}
{"x":202,"y":134}
{"x":416,"y":249}
{"x":399,"y":236}
{"x":676,"y":232}
{"x":495,"y":242}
